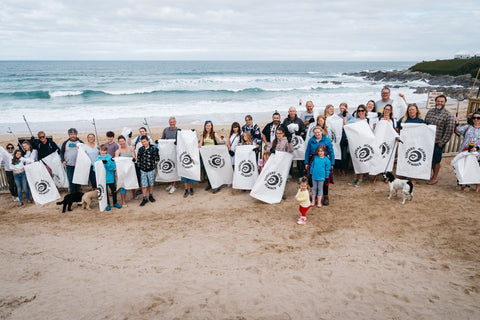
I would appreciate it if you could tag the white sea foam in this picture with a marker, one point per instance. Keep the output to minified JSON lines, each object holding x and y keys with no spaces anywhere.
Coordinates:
{"x":54,"y":94}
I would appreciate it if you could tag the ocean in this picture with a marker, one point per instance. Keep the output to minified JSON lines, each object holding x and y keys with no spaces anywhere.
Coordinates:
{"x":56,"y":95}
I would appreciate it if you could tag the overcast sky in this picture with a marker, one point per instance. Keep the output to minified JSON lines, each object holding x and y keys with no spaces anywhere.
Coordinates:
{"x":237,"y":30}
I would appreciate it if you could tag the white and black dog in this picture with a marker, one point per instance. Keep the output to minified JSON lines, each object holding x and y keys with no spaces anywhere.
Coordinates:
{"x":398,"y":184}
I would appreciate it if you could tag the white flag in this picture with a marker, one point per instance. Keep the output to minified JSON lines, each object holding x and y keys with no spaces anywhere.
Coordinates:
{"x":467,"y":170}
{"x":101,"y":177}
{"x":399,"y":108}
{"x":246,"y":171}
{"x":126,"y":174}
{"x":416,"y":152}
{"x":41,"y":183}
{"x":298,"y":147}
{"x":335,"y":124}
{"x":385,"y":136}
{"x":271,"y":182}
{"x":167,"y":166}
{"x":82,"y":167}
{"x":59,"y":174}
{"x":217,"y":165}
{"x":362,"y":145}
{"x":188,"y":157}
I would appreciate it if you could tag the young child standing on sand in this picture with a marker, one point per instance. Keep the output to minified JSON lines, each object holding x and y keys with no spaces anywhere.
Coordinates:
{"x":110,"y":167}
{"x":303,"y":199}
{"x":320,"y":170}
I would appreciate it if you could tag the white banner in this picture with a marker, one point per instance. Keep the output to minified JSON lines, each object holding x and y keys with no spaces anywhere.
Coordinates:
{"x":416,"y":152}
{"x":126,"y":174}
{"x":246,"y":171}
{"x":372,"y":119}
{"x":59,"y":174}
{"x":362,"y":145}
{"x":399,"y":108}
{"x":218,"y":166}
{"x":271,"y":182}
{"x":385,"y":136}
{"x":298,"y":147}
{"x":309,"y":133}
{"x":82,"y":167}
{"x":335,"y":124}
{"x":467,"y":170}
{"x":101,"y":177}
{"x":188,"y":157}
{"x":167,"y":166}
{"x":41,"y":184}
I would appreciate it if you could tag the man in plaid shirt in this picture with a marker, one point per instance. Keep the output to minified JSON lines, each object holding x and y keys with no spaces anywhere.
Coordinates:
{"x":445,"y":123}
{"x":147,"y":158}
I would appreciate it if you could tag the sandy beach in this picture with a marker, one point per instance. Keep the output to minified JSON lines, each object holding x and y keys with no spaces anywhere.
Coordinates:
{"x":230,"y":256}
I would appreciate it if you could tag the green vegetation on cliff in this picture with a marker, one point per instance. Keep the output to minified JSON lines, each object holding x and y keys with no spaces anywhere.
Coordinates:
{"x":452,"y":67}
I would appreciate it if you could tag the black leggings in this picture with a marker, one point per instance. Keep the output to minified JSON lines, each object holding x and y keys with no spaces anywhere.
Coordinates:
{"x":11,"y":183}
{"x":113,"y":189}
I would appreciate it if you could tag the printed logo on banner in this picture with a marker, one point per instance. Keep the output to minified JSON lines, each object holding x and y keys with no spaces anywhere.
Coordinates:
{"x":167,"y":165}
{"x":415,"y":156}
{"x":334,"y":137}
{"x":216,"y":161}
{"x":186,"y":160}
{"x":384,"y":150}
{"x":296,"y":142}
{"x":364,"y":153}
{"x":100,"y":192}
{"x":273,"y":180}
{"x":246,"y":168}
{"x":42,"y":187}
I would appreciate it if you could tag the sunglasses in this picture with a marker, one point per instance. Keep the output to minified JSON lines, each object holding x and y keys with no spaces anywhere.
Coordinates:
{"x":9,"y":148}
{"x":208,"y":121}
{"x":476,"y":118}
{"x":360,"y":110}
{"x":41,"y":137}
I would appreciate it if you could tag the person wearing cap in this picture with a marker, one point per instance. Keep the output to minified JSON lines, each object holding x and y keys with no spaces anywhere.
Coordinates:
{"x":68,"y":154}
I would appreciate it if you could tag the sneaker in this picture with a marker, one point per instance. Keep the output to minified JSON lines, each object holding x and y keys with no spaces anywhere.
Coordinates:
{"x":169,"y":187}
{"x":20,"y":204}
{"x":359,"y":183}
{"x":151,"y":199}
{"x":116,"y":205}
{"x":302,"y":220}
{"x":172,"y":190}
{"x":215,"y":190}
{"x":191,"y":192}
{"x":108,"y":208}
{"x":185,"y":194}
{"x":208,"y":188}
{"x":353,"y":182}
{"x":144,"y":202}
{"x":15,"y":199}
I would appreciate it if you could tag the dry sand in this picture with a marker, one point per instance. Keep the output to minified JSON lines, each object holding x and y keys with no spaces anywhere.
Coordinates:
{"x":229,"y":256}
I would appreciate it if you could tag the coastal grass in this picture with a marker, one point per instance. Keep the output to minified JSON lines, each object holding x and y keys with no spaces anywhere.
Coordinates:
{"x":452,"y":67}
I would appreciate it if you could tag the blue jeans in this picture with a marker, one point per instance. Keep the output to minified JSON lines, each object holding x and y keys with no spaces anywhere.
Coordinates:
{"x":22,"y":185}
{"x":71,"y":185}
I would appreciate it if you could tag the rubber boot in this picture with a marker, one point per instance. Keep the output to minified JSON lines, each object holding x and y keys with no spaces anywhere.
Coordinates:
{"x":325,"y":201}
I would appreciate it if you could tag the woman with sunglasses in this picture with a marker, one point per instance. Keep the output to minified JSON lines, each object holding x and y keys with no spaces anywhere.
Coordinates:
{"x":6,"y":159}
{"x":361,"y":114}
{"x":43,"y":145}
{"x":471,"y":141}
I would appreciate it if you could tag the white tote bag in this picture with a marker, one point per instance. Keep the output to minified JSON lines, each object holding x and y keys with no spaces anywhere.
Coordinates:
{"x":385,"y":136}
{"x":335,"y":124}
{"x":126,"y":174}
{"x":41,"y":183}
{"x":246,"y":170}
{"x":218,"y":166}
{"x":298,"y":147}
{"x":59,"y":174}
{"x":271,"y":182}
{"x":362,"y":145}
{"x":466,"y":167}
{"x":82,"y":167}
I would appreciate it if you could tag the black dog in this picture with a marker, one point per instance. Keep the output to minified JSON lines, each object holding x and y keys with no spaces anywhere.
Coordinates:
{"x":69,"y":199}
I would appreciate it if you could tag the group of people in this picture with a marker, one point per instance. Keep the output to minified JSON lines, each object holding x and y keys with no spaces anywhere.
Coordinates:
{"x":315,"y":170}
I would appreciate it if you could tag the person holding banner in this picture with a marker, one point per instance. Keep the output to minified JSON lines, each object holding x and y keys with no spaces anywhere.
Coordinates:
{"x":361,"y":115}
{"x":296,"y":127}
{"x":18,"y":168}
{"x":342,"y":165}
{"x":329,"y":111}
{"x":127,"y":152}
{"x":28,"y":152}
{"x":308,"y":116}
{"x":110,"y":166}
{"x":254,"y":131}
{"x":170,"y":133}
{"x":269,"y":131}
{"x":471,"y":140}
{"x":385,"y":99}
{"x":68,"y":155}
{"x":45,"y":146}
{"x":233,"y":141}
{"x":7,"y":161}
{"x":412,"y":115}
{"x":445,"y":123}
{"x":319,"y":139}
{"x":209,"y":138}
{"x":91,"y":149}
{"x":147,"y":158}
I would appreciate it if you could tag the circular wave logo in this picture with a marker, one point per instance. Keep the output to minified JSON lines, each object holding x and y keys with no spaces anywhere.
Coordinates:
{"x":100,"y":192}
{"x":216,"y":161}
{"x":415,"y":157}
{"x":384,"y":150}
{"x":364,"y":153}
{"x":273,"y":180}
{"x":246,"y":168}
{"x":186,"y":160}
{"x":42,"y":187}
{"x":334,"y":137}
{"x":296,"y":142}
{"x":167,"y":165}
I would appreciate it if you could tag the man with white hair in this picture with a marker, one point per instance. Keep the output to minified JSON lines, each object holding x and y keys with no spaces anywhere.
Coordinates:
{"x":170,"y":132}
{"x":308,"y":116}
{"x":296,"y":126}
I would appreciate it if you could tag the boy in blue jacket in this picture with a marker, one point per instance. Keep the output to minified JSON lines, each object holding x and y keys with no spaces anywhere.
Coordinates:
{"x":110,"y":166}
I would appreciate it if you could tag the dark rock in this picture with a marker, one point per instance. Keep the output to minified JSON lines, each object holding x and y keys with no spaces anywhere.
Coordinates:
{"x":337,"y":82}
